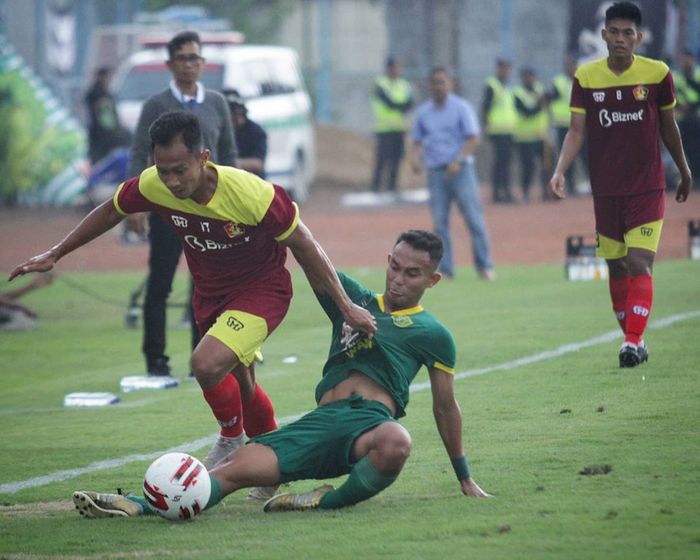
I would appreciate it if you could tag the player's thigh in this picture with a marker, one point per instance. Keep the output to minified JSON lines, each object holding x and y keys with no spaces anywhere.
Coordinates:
{"x":644,"y":215}
{"x":609,"y":226}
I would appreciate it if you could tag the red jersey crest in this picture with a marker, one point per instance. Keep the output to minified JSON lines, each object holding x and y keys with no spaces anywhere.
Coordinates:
{"x":640,"y":93}
{"x":233,"y":229}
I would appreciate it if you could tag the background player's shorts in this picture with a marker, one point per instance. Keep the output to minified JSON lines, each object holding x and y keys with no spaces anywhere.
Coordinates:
{"x":319,"y":444}
{"x":242,"y":321}
{"x":628,"y":221}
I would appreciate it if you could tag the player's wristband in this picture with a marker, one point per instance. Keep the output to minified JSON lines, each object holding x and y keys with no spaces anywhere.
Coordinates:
{"x":461,"y":468}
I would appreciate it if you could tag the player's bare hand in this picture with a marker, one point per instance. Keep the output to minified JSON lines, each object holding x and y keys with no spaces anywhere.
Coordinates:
{"x":138,"y":223}
{"x":556,"y":185}
{"x":683,"y":188}
{"x":361,"y":320}
{"x":471,"y":488}
{"x":40,"y":263}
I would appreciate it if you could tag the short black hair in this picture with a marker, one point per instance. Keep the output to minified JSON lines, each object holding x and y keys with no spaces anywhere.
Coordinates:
{"x":175,"y":44}
{"x":422,"y":240}
{"x":624,"y":10}
{"x":177,"y":124}
{"x":235,"y":101}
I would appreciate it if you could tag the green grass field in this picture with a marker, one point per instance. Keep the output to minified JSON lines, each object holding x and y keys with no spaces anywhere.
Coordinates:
{"x":530,"y":427}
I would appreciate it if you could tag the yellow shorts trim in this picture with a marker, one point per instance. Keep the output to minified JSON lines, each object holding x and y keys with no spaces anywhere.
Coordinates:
{"x":242,"y":332}
{"x":646,"y":236}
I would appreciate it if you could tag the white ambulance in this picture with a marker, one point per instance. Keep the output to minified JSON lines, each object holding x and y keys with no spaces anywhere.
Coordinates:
{"x":267,"y":77}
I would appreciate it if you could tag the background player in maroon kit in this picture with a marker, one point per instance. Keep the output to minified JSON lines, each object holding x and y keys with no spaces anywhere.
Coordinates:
{"x":624,"y":102}
{"x":234,"y":228}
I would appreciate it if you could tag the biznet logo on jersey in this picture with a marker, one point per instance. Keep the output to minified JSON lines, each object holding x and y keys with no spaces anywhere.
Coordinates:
{"x":607,"y":118}
{"x":205,"y":244}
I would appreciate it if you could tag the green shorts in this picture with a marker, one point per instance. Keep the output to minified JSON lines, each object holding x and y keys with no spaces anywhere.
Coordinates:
{"x":319,"y":444}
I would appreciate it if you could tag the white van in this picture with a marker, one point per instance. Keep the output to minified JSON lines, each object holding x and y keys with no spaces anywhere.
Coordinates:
{"x":267,"y":77}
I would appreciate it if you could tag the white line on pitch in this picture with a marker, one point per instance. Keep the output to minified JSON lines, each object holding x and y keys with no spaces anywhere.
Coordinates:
{"x":13,"y":487}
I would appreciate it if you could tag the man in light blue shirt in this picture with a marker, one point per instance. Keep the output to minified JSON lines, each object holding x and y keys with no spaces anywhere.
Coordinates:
{"x":444,"y":137}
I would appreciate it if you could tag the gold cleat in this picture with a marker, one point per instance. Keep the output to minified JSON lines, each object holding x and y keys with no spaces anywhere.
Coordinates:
{"x":94,"y":505}
{"x":297,"y":502}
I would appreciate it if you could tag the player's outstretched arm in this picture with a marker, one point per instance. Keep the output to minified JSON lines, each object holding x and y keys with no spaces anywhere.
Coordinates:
{"x":570,"y":148}
{"x":448,"y":418}
{"x":671,"y":137}
{"x":323,"y":279}
{"x":100,"y":220}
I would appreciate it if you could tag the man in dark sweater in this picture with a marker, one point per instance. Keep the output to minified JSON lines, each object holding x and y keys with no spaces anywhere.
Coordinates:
{"x":251,"y":139}
{"x":185,"y":92}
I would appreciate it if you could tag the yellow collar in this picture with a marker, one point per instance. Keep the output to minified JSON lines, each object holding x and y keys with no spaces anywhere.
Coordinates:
{"x":400,"y":312}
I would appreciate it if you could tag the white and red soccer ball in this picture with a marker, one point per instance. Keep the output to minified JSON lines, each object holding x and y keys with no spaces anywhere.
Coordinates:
{"x":177,"y":486}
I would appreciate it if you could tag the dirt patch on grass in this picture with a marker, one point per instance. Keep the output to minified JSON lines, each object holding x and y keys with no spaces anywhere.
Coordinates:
{"x":35,"y":509}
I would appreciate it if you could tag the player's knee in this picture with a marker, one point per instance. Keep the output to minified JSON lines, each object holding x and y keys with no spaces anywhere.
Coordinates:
{"x":206,"y":370}
{"x":394,"y":445}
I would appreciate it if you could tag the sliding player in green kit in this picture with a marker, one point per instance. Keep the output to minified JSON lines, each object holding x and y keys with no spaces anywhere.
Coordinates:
{"x":363,"y":391}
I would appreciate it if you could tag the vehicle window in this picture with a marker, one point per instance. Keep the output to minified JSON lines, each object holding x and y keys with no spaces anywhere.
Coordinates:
{"x":263,"y":77}
{"x":143,"y":81}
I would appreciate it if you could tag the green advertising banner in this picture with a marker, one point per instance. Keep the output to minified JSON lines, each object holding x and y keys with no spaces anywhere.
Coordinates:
{"x":42,"y":147}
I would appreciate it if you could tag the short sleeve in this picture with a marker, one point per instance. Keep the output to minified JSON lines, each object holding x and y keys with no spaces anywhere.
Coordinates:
{"x":667,"y":92}
{"x":577,"y":103}
{"x":470,"y":122}
{"x":441,"y":351}
{"x":128,"y":198}
{"x":282,"y":216}
{"x":417,"y":131}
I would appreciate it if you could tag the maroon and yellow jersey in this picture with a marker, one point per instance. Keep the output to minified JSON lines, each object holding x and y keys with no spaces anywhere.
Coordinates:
{"x":230,"y":242}
{"x":622,"y":123}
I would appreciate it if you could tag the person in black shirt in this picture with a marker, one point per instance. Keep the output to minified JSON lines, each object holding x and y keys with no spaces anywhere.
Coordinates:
{"x":104,"y":131}
{"x":251,"y":139}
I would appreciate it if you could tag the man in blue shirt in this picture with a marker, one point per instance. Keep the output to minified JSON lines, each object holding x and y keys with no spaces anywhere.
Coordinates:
{"x":444,"y":137}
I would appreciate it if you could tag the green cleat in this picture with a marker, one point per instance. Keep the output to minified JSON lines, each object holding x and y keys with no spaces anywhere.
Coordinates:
{"x":94,"y":505}
{"x":297,"y":502}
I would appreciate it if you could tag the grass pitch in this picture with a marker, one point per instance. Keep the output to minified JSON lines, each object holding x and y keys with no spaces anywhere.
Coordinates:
{"x":584,"y":460}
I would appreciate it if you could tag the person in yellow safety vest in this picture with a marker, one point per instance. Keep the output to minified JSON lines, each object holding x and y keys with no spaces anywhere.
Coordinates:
{"x":687,"y":82}
{"x":498,"y":118}
{"x":531,"y":131}
{"x":559,"y":97}
{"x":392,"y":98}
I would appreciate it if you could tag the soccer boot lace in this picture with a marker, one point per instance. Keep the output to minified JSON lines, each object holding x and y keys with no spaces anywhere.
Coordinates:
{"x":297,"y":502}
{"x":222,"y":448}
{"x":95,"y":505}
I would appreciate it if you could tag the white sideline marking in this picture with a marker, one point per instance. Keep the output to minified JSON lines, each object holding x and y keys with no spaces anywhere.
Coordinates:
{"x":13,"y":487}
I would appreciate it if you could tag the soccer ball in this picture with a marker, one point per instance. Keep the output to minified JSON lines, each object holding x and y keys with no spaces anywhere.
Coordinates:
{"x":177,"y":486}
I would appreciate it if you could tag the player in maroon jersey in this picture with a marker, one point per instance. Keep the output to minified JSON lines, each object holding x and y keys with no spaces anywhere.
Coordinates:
{"x":235,"y":229}
{"x":623,"y":103}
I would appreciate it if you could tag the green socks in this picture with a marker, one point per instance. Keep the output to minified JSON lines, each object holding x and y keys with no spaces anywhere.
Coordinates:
{"x":214,"y":498}
{"x":363,"y":483}
{"x":140,"y":500}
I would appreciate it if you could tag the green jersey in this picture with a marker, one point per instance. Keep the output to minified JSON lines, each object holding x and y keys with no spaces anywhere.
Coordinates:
{"x":405,"y":341}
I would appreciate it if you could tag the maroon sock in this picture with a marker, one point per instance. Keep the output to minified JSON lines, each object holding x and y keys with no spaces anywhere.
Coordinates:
{"x":619,"y":286}
{"x":641,"y":294}
{"x":225,"y":402}
{"x":259,"y":414}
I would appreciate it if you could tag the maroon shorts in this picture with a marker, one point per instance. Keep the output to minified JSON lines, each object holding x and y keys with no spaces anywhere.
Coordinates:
{"x":616,"y":215}
{"x":269,"y":299}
